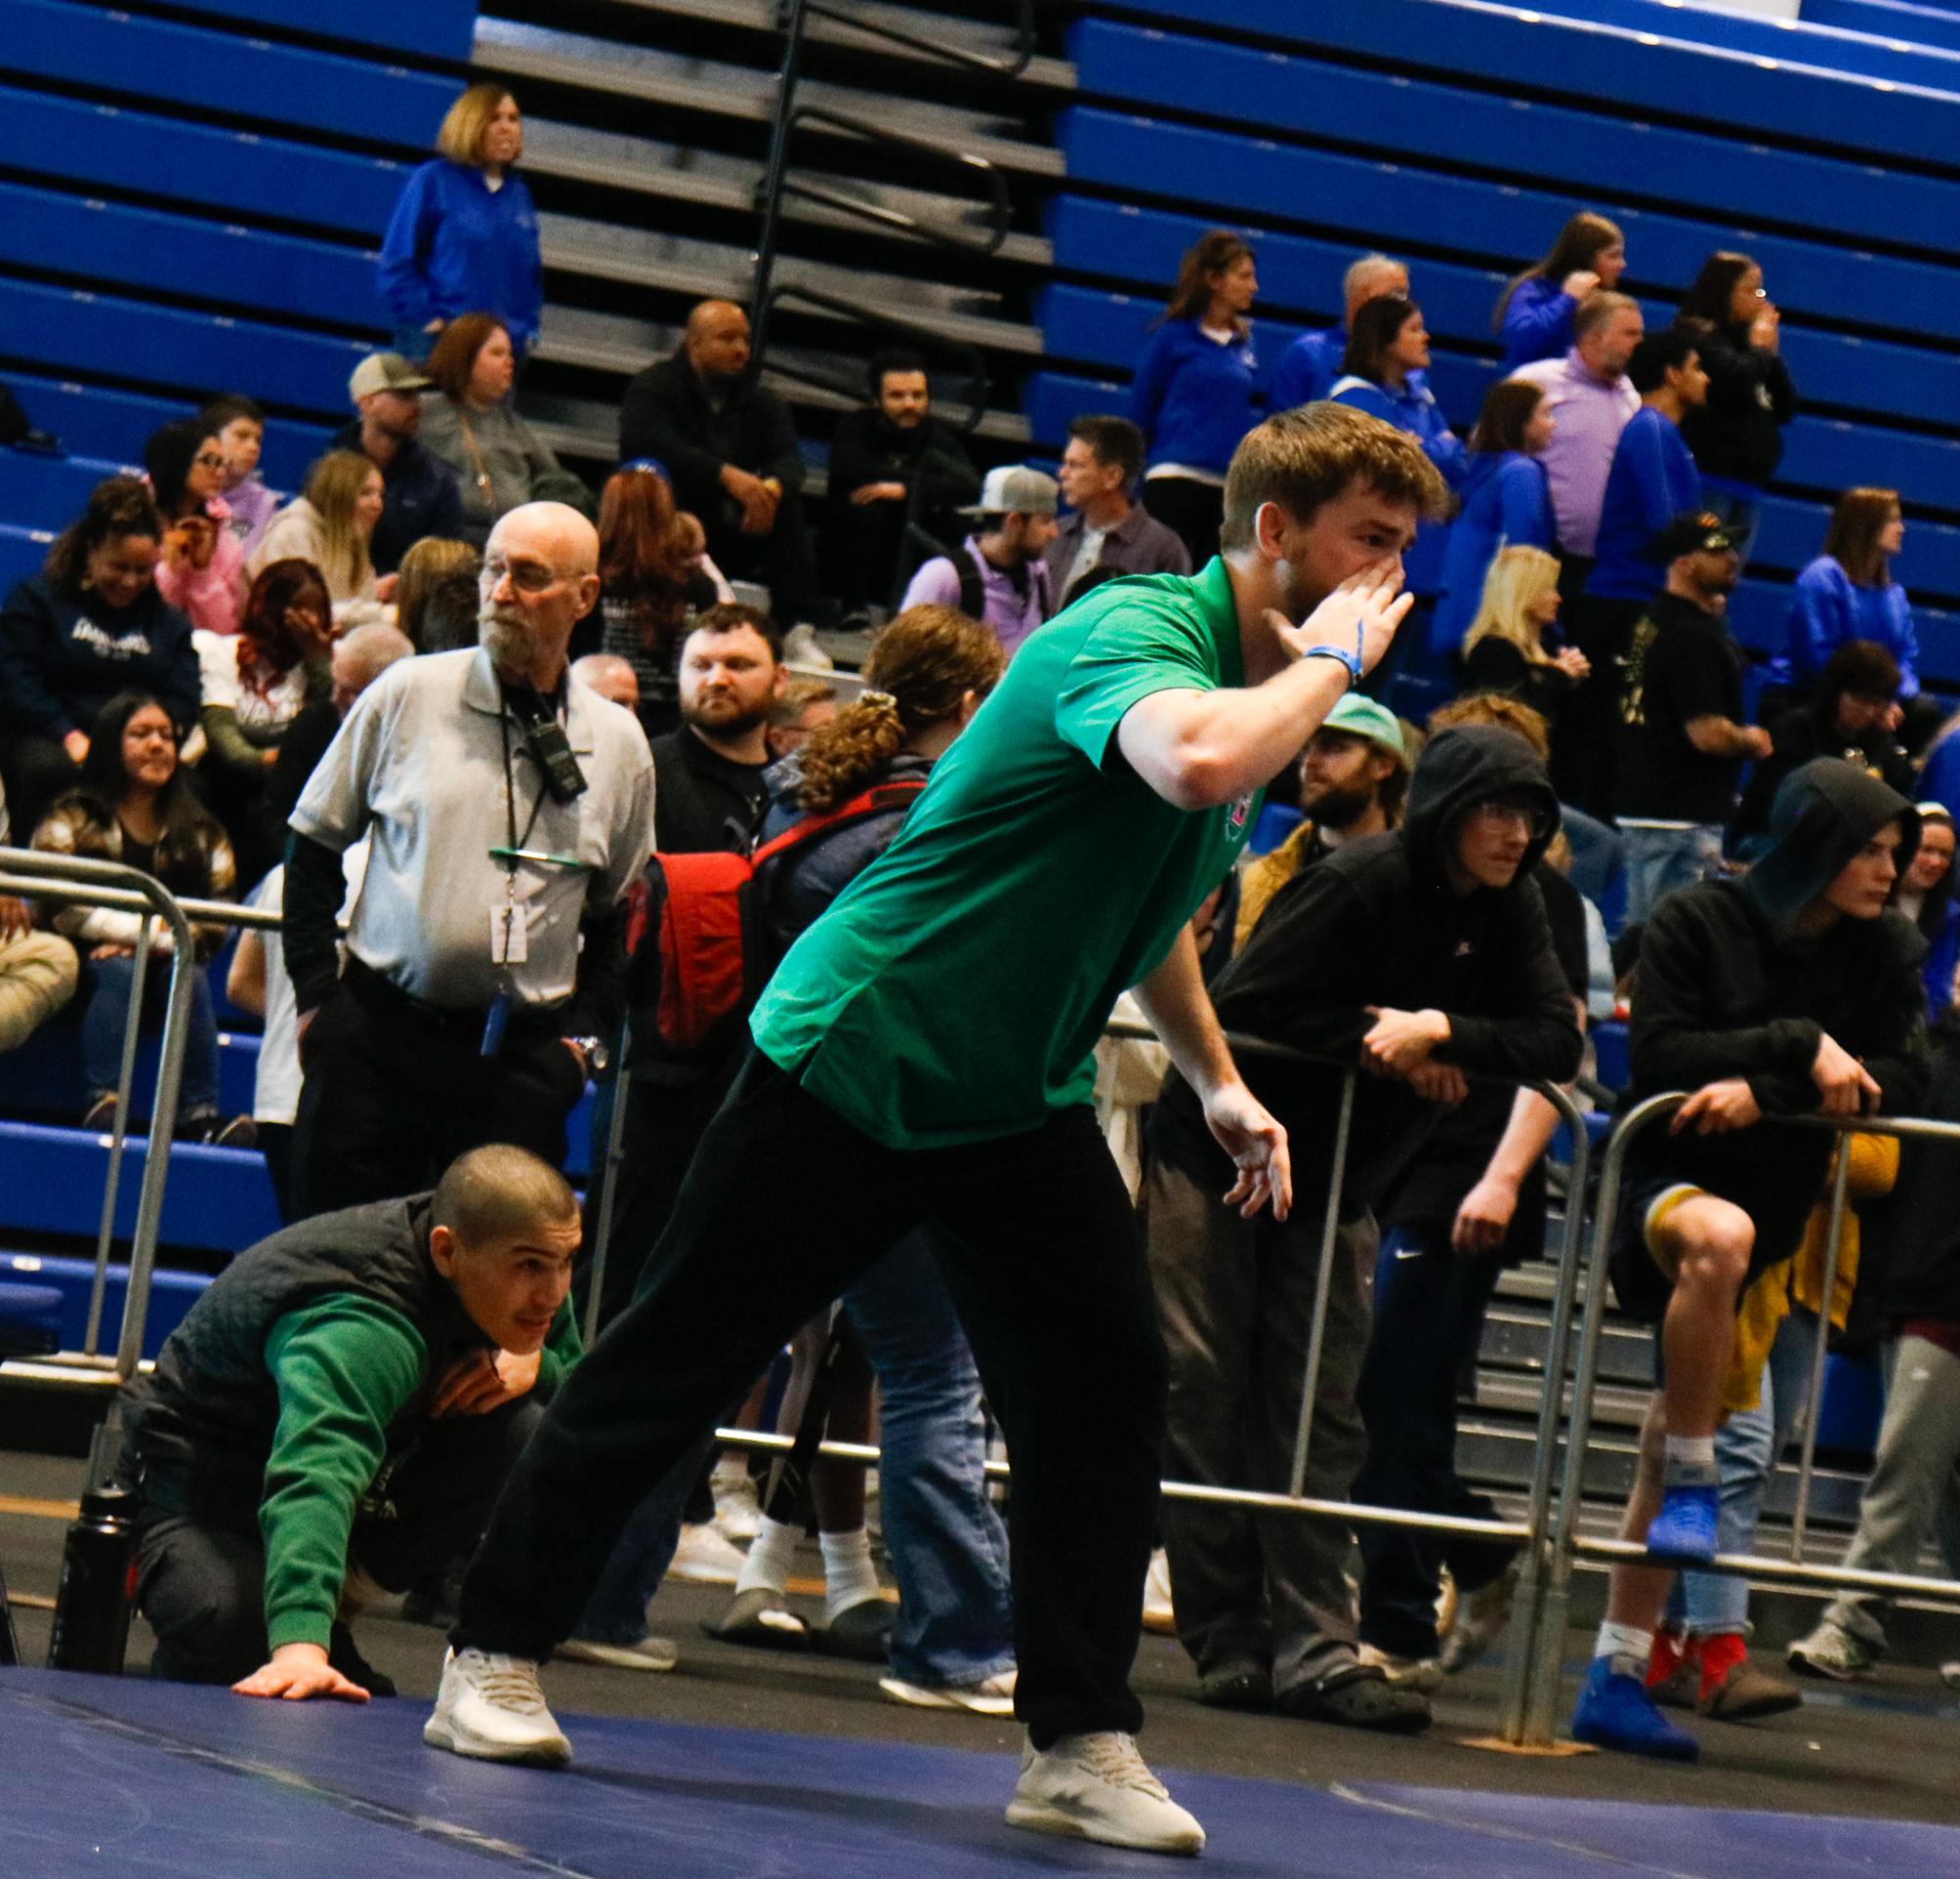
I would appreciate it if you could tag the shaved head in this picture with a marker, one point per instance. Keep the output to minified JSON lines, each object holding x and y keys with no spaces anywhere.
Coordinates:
{"x":717,"y":342}
{"x":608,"y":674}
{"x":540,"y":579}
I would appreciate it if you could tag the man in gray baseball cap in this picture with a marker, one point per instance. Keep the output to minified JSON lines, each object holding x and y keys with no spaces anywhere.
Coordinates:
{"x":998,"y":575}
{"x":419,"y":496}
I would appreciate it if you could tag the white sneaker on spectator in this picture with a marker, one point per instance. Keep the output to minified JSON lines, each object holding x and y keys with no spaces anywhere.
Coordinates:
{"x":650,"y":1654}
{"x":992,"y":1697}
{"x":1097,"y":1787}
{"x":490,"y":1707}
{"x":738,"y":1513}
{"x":705,"y":1557}
{"x":1478,"y":1621}
{"x":1158,"y":1614}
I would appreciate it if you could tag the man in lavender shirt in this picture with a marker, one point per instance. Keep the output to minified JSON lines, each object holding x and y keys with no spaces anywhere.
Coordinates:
{"x":998,"y":575}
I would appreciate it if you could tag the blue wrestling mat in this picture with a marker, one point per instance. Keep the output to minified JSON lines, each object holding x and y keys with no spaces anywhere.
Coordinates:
{"x":132,"y":1777}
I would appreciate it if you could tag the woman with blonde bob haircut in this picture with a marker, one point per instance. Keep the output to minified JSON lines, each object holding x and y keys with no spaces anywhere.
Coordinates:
{"x":330,"y":526}
{"x":464,"y":233}
{"x":1505,"y":649}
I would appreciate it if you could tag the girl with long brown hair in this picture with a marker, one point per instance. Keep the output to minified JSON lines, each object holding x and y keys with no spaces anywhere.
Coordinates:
{"x":1847,"y":592}
{"x":1535,"y":313}
{"x":1506,"y":501}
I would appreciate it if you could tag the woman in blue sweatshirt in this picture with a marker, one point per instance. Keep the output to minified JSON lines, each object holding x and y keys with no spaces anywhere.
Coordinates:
{"x":463,"y":237}
{"x":1507,"y":503}
{"x":1196,"y":390}
{"x":1534,"y":314}
{"x":1847,"y":592}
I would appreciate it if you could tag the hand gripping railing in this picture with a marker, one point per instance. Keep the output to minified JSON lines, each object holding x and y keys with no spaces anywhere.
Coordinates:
{"x":1541,"y":1653}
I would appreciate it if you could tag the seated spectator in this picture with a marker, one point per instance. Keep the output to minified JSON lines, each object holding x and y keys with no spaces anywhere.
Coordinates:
{"x":1736,"y":435}
{"x":1195,"y":390}
{"x":407,"y":1341}
{"x":1535,"y":314}
{"x":695,"y":544}
{"x":1847,"y":592}
{"x":894,"y":469}
{"x":436,"y":599}
{"x":647,"y":587}
{"x":469,"y":425}
{"x":419,"y":497}
{"x":1506,"y":650}
{"x":1507,"y":503}
{"x":38,"y":971}
{"x":202,"y":570}
{"x":135,"y":804}
{"x":1793,"y":991}
{"x":1926,"y":895}
{"x":239,"y":425}
{"x":1418,"y":956}
{"x":1308,"y":368}
{"x":610,"y":677}
{"x":1852,"y":714}
{"x":1109,"y":534}
{"x":1682,"y":737}
{"x":806,"y":706}
{"x":463,"y":234}
{"x":90,"y":626}
{"x":998,"y":575}
{"x":331,"y":526}
{"x":359,"y":657}
{"x":730,"y":450}
{"x":708,"y":790}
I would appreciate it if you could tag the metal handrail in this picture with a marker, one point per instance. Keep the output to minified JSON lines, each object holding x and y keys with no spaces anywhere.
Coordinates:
{"x":1024,"y":39}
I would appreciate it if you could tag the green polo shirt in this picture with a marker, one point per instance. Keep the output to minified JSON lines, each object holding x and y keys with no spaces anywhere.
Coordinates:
{"x":955,"y":991}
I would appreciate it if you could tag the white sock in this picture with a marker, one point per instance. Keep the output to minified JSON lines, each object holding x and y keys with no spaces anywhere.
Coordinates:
{"x":730,"y":1475}
{"x":1627,"y":1645}
{"x":1689,"y":1461}
{"x":767,"y":1564}
{"x":849,"y":1577}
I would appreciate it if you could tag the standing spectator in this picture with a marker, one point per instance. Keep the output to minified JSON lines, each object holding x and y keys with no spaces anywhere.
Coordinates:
{"x":1681,"y":738}
{"x":647,"y":589}
{"x":468,"y":422}
{"x":729,"y":447}
{"x":135,"y":804}
{"x":1506,"y":501}
{"x":1847,"y":592}
{"x":1308,"y":368}
{"x":710,"y":794}
{"x":38,"y":971}
{"x":1535,"y":314}
{"x":1196,"y":389}
{"x":894,"y":467}
{"x":1506,"y":650}
{"x":419,"y":497}
{"x":239,"y":425}
{"x":805,"y":707}
{"x":1737,"y":436}
{"x":435,"y":595}
{"x":90,"y":625}
{"x":1590,"y":399}
{"x":464,"y":236}
{"x":1109,"y":533}
{"x":998,"y":574}
{"x":477,"y":985}
{"x":202,"y":570}
{"x":330,"y":527}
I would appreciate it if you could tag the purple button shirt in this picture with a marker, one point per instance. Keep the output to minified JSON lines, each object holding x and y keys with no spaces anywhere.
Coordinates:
{"x":1590,"y":414}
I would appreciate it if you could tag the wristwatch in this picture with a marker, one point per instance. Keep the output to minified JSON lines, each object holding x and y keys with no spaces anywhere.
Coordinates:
{"x":599,"y":1059}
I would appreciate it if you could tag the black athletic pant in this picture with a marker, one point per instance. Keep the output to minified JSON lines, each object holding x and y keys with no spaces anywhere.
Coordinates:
{"x":785,"y":1206}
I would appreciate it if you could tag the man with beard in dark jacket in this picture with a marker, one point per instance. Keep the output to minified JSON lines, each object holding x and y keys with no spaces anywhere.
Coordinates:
{"x":1417,"y":956}
{"x":1792,"y":991}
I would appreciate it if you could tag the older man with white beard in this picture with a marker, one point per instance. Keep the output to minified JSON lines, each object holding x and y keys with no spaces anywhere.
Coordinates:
{"x":510,"y":808}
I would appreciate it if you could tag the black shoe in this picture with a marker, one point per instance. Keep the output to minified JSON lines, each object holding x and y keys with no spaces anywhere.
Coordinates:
{"x":1358,"y":1698}
{"x":1239,"y":1687}
{"x":861,"y":1632}
{"x":354,"y":1667}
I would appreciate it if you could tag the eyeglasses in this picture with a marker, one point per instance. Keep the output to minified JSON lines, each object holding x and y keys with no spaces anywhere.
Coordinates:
{"x":1500,"y":812}
{"x":527,"y":577}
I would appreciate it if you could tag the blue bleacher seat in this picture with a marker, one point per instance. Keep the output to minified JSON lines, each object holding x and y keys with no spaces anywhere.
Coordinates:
{"x":30,"y":1319}
{"x":22,"y":553}
{"x":1899,"y":19}
{"x":68,"y":1282}
{"x":49,"y":492}
{"x":434,"y":28}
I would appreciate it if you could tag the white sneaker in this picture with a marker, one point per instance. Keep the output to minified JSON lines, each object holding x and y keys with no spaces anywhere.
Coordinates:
{"x":1097,"y":1787}
{"x":993,"y":1697}
{"x":705,"y":1557}
{"x":738,"y":1513}
{"x":490,"y":1707}
{"x":1405,"y":1673}
{"x":1158,"y":1614}
{"x":1829,"y":1651}
{"x":650,"y":1654}
{"x":1478,"y":1621}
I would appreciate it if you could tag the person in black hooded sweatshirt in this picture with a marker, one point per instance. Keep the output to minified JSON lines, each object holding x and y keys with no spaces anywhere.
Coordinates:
{"x":1793,"y":991}
{"x":1415,"y":957}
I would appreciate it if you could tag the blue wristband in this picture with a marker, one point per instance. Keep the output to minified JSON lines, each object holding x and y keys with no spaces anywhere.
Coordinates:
{"x":1351,"y":660}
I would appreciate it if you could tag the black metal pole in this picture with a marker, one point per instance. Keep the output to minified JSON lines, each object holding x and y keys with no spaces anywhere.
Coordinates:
{"x":769,"y":197}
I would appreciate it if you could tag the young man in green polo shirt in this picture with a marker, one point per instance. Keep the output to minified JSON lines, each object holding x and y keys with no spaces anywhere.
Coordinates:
{"x":924,"y":1055}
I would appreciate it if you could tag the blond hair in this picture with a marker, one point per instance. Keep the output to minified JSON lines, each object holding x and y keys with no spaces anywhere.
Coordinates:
{"x":427,"y":569}
{"x":468,"y":123}
{"x":1516,"y":577}
{"x":333,"y":487}
{"x":1307,"y":457}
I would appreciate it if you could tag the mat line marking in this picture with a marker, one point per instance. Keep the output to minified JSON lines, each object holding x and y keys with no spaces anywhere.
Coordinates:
{"x":39,"y":1510}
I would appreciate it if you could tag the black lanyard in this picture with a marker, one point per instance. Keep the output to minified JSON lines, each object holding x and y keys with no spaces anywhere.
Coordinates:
{"x":511,"y":792}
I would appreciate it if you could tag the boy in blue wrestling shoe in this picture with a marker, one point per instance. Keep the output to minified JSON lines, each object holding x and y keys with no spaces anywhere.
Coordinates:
{"x":1789,"y":989}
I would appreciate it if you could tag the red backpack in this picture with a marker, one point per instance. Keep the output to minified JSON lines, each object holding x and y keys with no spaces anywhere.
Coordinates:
{"x":714,"y":948}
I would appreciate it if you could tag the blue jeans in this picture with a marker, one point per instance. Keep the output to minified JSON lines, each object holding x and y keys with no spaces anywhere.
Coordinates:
{"x":1748,"y":1448}
{"x":616,"y":1613}
{"x":1598,"y":855}
{"x":1661,"y":860}
{"x":102,"y":1027}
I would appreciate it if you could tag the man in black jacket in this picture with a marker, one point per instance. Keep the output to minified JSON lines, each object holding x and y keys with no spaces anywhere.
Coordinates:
{"x":418,"y":489}
{"x":1792,"y":991}
{"x":1415,"y":956}
{"x":893,"y":463}
{"x":729,"y":450}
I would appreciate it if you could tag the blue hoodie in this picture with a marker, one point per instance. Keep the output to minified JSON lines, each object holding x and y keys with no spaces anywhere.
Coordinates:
{"x":1308,"y":368}
{"x":1506,"y":503}
{"x":1194,"y":398}
{"x":1653,"y":478}
{"x":1830,"y":607}
{"x":1538,"y":324}
{"x":456,"y":246}
{"x":1414,"y":410}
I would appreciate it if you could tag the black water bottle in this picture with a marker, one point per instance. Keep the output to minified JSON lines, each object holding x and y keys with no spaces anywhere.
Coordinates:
{"x":98,"y":1584}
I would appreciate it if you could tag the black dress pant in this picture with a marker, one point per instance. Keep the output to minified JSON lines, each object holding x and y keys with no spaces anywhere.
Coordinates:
{"x":394,"y":1092}
{"x":785,"y":1204}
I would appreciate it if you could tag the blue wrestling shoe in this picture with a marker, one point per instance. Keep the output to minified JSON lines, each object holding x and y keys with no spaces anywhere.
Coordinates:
{"x":1615,"y":1711}
{"x":1685,"y":1527}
